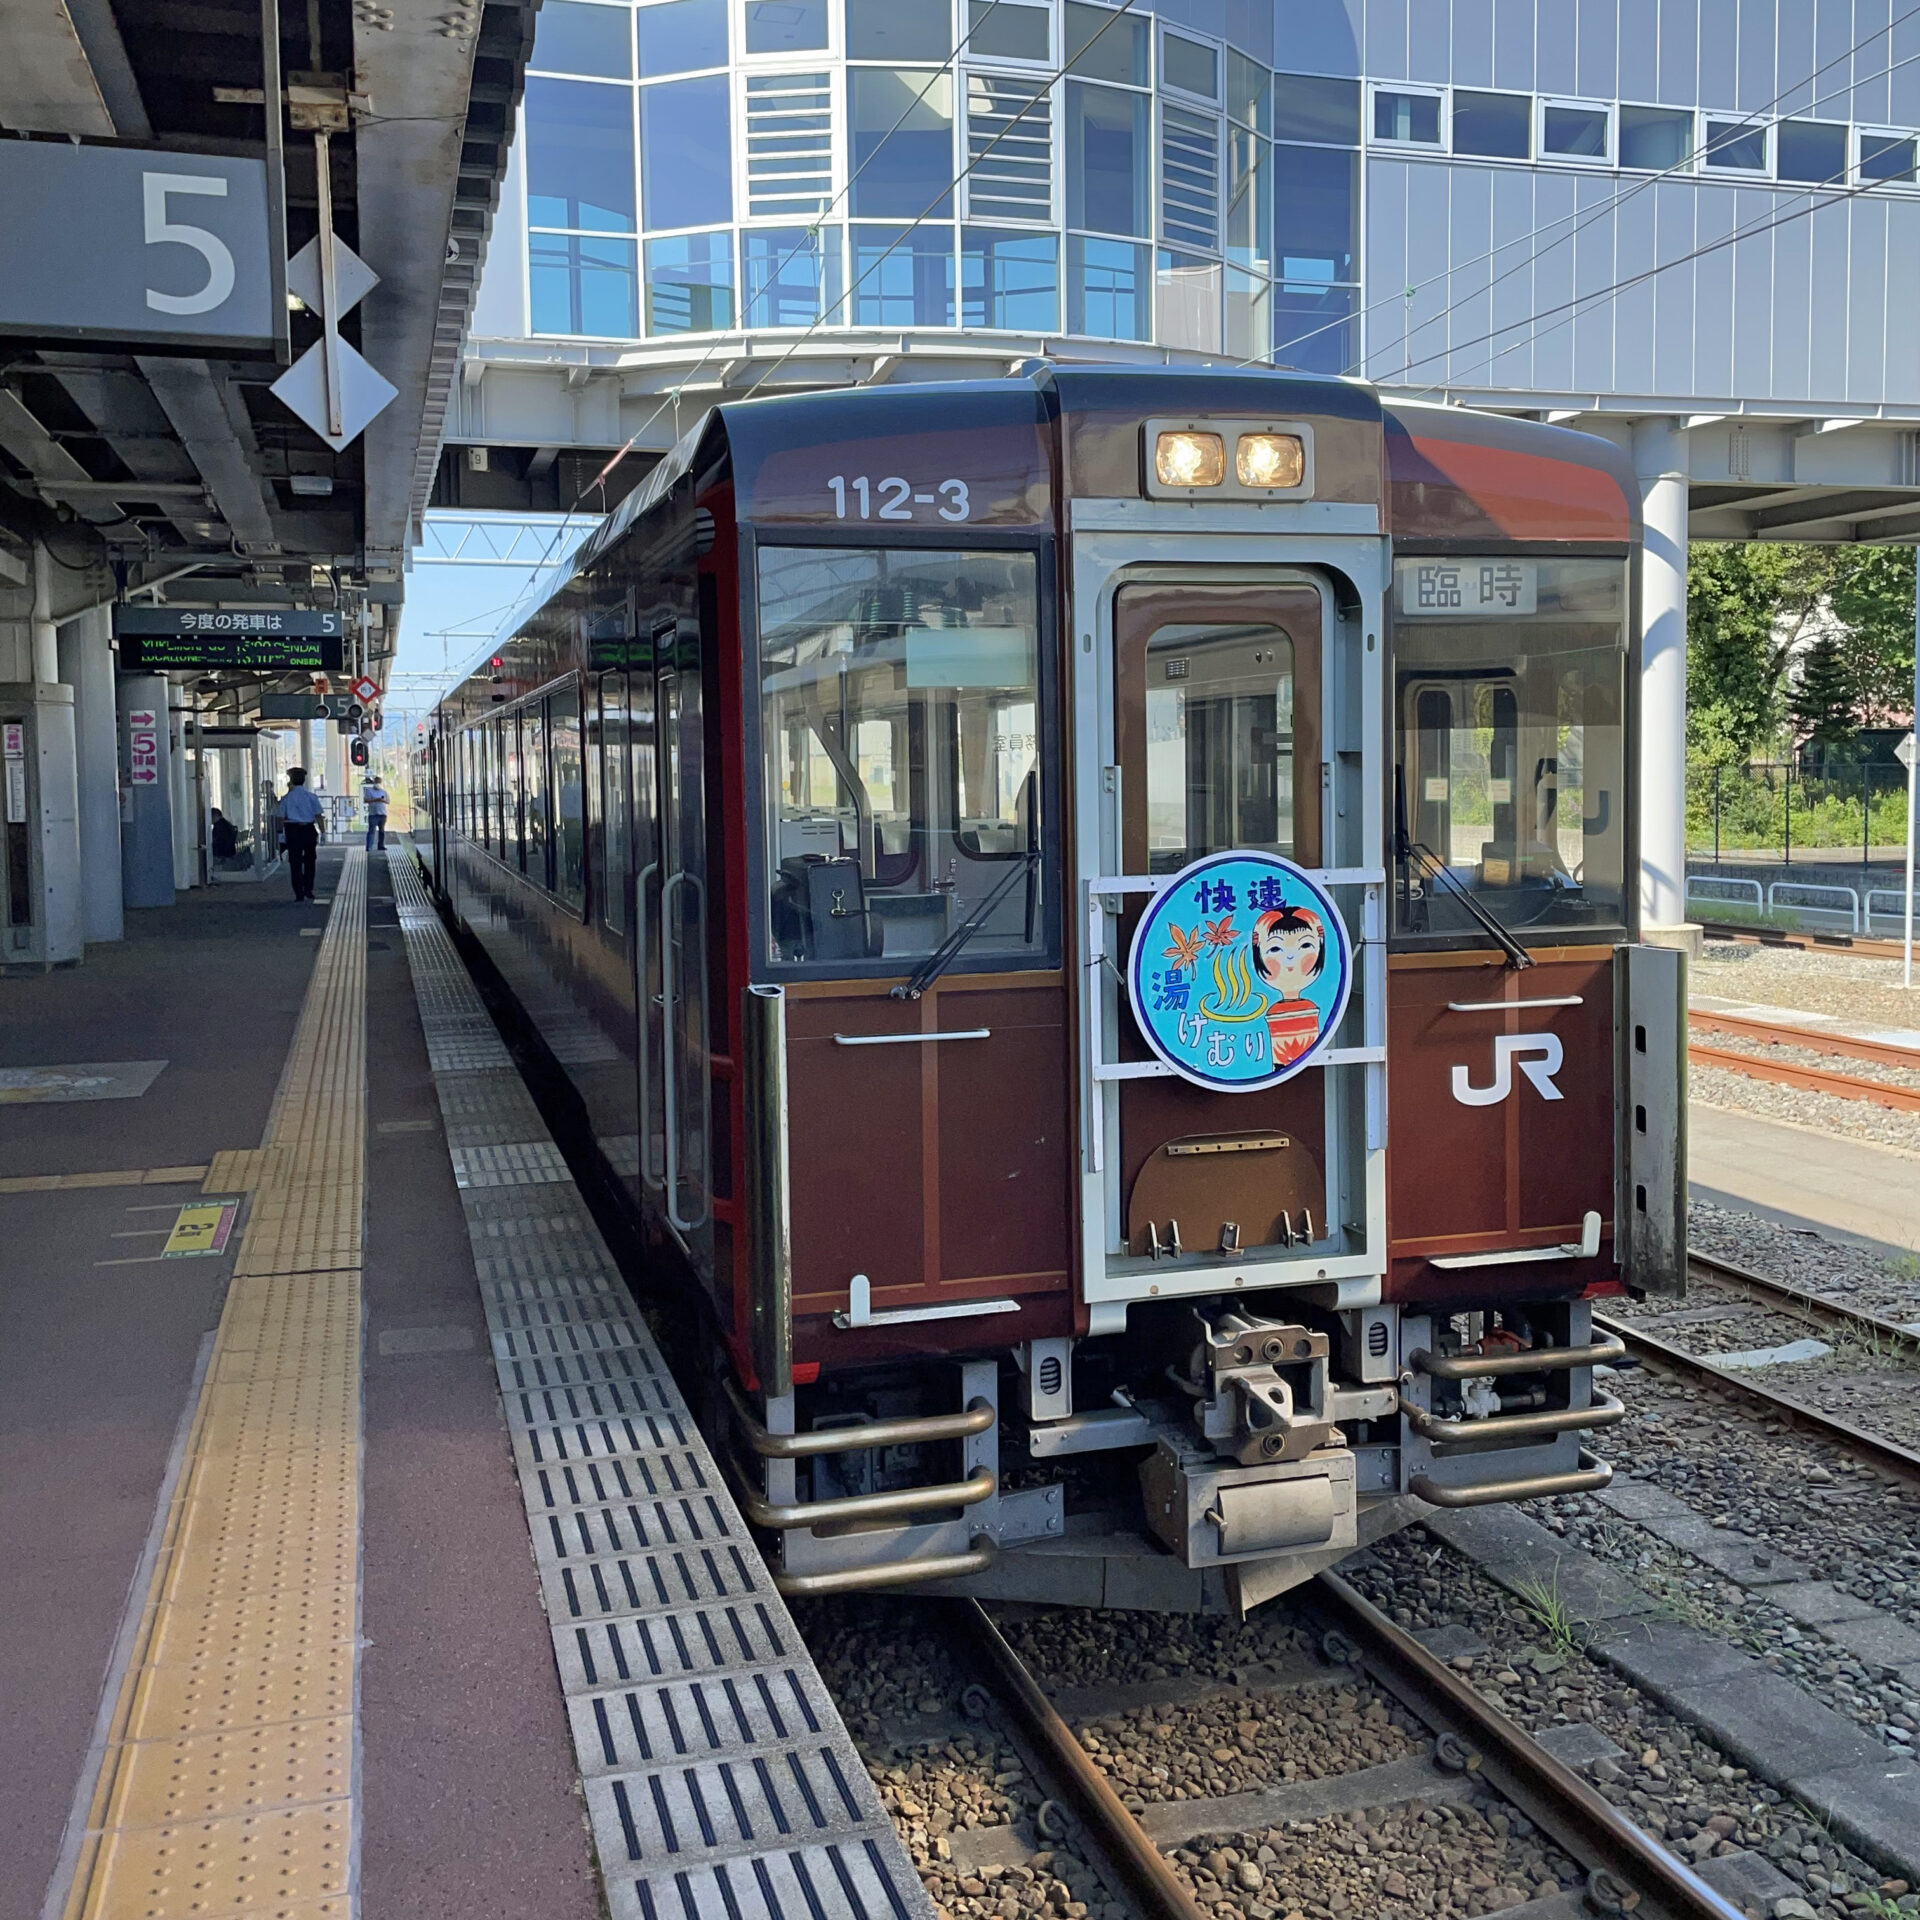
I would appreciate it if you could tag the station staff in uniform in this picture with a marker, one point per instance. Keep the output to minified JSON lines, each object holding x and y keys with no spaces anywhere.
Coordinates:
{"x":300,"y":820}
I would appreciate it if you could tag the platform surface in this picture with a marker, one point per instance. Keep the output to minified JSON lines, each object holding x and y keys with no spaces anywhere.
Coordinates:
{"x":438,"y":1780}
{"x":1850,"y":1190}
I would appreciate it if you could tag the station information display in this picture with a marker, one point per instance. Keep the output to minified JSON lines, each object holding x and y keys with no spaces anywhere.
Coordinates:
{"x":234,"y":639}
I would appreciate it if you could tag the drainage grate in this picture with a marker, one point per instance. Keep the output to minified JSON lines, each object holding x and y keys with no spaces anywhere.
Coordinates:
{"x":720,"y":1782}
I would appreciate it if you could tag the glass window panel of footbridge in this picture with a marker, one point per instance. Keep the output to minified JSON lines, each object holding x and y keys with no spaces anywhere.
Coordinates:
{"x":1509,"y":777}
{"x":901,"y":757}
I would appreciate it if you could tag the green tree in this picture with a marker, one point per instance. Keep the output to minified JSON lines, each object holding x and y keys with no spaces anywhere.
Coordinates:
{"x":1748,"y":604}
{"x":1825,"y":705}
{"x":1873,"y":599}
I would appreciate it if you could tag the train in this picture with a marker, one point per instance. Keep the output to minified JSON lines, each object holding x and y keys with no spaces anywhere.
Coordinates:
{"x":1087,"y":922}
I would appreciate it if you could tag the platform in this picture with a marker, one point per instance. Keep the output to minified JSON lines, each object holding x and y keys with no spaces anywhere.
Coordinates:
{"x":1850,"y":1190}
{"x":282,"y":1225}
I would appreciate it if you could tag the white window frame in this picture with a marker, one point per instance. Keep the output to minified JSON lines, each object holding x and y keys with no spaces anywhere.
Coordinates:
{"x":1690,"y":166}
{"x":1009,"y":62}
{"x":1474,"y":159}
{"x":1375,"y":88}
{"x":796,"y":58}
{"x":1215,"y":102}
{"x":836,"y":142}
{"x":1859,"y":133}
{"x":1704,"y":164}
{"x":1056,"y":92}
{"x":633,"y":51}
{"x":1158,"y":126}
{"x":1608,"y":160}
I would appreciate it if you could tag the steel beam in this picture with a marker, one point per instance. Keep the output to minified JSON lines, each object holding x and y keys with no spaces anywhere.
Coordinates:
{"x":212,"y":424}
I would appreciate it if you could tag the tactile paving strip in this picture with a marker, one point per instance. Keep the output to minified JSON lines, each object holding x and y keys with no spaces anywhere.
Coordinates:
{"x":227,"y":1787}
{"x":720,"y":1782}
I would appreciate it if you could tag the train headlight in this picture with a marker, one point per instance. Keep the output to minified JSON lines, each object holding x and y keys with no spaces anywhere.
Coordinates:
{"x":1270,"y":460}
{"x":1187,"y":459}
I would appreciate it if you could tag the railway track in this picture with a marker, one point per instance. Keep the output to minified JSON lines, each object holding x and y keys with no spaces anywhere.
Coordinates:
{"x":1815,"y":1310}
{"x":1808,"y":1079}
{"x":1626,"y":1871}
{"x":1862,"y":944}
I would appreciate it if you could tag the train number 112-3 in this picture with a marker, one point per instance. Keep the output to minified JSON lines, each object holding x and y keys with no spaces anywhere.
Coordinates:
{"x":894,"y":499}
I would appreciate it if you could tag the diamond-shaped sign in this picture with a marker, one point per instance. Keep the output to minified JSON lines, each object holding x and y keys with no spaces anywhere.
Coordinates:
{"x":353,"y":279}
{"x":1904,"y":751}
{"x":363,"y":392}
{"x":365,"y":691}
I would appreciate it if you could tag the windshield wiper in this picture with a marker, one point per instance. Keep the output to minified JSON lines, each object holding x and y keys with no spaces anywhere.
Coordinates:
{"x":943,"y":956}
{"x":1517,"y":956}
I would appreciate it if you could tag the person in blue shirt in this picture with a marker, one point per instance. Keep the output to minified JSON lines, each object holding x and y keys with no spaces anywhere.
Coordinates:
{"x":300,"y":822}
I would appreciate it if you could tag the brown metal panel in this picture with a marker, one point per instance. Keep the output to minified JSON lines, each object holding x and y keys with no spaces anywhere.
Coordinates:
{"x":1006,"y":1173}
{"x":1524,"y":1171}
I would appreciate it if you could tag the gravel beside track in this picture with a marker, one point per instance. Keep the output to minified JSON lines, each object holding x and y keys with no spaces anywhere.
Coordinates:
{"x":1855,"y":990}
{"x":1785,"y":1054}
{"x":1851,"y":1275}
{"x":1672,"y":1781}
{"x":1830,"y":1112}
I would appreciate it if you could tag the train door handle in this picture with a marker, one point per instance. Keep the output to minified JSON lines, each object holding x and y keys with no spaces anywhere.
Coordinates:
{"x":669,"y":1002}
{"x":641,"y":998}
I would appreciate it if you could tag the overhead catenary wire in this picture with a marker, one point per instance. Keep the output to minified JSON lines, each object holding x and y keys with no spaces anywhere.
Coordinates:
{"x":1685,"y":167}
{"x":672,"y":397}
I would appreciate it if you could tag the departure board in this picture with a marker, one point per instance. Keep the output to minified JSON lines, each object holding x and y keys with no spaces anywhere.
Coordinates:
{"x":265,"y":640}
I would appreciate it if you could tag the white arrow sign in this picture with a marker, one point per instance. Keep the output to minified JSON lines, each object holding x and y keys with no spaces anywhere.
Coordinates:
{"x":363,"y":392}
{"x":353,"y":279}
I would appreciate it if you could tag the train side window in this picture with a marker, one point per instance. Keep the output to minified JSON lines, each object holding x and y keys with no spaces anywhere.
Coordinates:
{"x":613,"y":797}
{"x":569,"y":797}
{"x":1509,"y":779}
{"x":900,"y":725}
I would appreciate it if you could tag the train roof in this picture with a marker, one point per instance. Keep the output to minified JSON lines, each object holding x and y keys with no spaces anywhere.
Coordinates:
{"x":1437,"y":474}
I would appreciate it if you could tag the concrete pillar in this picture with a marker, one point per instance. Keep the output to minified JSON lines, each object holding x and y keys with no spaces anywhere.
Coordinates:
{"x":186,"y":805}
{"x":306,"y":750}
{"x":146,"y":828}
{"x":86,"y":665}
{"x":1660,"y":461}
{"x":46,"y":655}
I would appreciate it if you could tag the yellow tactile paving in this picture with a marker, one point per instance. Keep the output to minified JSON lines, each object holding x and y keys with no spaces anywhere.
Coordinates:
{"x":228,"y":1784}
{"x":137,"y":1177}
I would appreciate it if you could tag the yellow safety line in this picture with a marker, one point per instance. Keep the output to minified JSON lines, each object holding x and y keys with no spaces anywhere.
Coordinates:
{"x":139,"y":1177}
{"x":228,"y":1782}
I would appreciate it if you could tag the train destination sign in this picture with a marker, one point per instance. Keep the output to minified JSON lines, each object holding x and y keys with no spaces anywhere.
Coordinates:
{"x":243,"y":639}
{"x":1240,"y":971}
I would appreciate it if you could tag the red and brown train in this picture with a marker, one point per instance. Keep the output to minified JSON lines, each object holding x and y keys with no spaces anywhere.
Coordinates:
{"x":1094,"y":917}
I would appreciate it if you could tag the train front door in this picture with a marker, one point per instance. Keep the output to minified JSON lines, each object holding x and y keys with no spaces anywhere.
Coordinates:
{"x":676,"y":1121}
{"x":1231,"y":710}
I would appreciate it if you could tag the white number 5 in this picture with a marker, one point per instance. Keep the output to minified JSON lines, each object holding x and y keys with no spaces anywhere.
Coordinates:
{"x":160,"y":230}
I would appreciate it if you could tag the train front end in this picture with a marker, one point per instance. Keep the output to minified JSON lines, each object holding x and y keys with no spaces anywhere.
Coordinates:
{"x":1197,"y":1067}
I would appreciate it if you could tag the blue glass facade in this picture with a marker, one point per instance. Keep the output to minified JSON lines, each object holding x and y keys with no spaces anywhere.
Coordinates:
{"x":1698,"y":197}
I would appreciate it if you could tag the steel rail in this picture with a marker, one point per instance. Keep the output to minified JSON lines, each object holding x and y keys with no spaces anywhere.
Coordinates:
{"x":1550,"y":1794}
{"x":1843,"y":1086}
{"x":1123,"y":1843}
{"x":1807,"y":1306}
{"x":1875,"y":1447}
{"x":1644,"y":1878}
{"x":1780,"y":937}
{"x":1850,"y":1046}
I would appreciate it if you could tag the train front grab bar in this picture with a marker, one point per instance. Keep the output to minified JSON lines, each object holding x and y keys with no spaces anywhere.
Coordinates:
{"x":1491,"y":1366}
{"x":909,"y":1430}
{"x":981,"y":1484}
{"x":1498,"y":1429}
{"x":1593,"y":1474}
{"x":899,"y":1573}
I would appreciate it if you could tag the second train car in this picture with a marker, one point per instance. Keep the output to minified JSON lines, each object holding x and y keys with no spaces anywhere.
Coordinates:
{"x":1093,"y":917}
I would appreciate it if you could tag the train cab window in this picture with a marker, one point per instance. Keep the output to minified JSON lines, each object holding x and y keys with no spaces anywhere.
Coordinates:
{"x":1219,"y":741}
{"x":1510,"y":687}
{"x":569,"y":798}
{"x":900,"y":723}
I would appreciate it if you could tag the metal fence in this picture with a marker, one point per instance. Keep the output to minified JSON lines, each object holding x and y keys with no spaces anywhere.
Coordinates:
{"x":1769,"y":812}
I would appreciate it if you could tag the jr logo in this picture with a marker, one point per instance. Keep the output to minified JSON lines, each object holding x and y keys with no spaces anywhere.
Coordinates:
{"x":1510,"y":1049}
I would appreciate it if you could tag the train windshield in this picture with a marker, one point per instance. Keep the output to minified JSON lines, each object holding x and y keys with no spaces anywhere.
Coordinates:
{"x":900,"y":723}
{"x":1509,"y":782}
